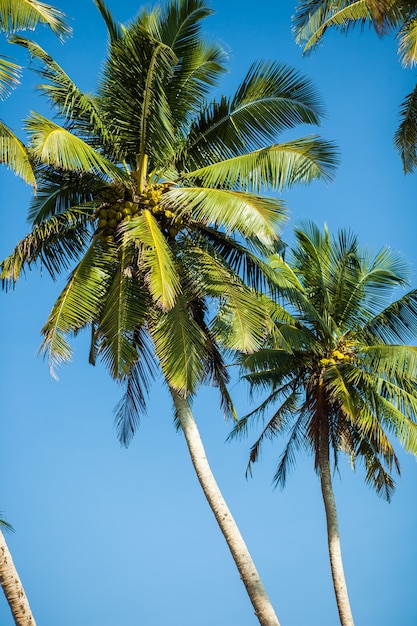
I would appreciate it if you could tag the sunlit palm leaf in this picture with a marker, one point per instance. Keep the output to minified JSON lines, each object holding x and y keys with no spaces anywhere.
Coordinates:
{"x":26,"y":14}
{"x":157,"y":260}
{"x":15,"y":155}
{"x":79,"y":302}
{"x":278,"y":166}
{"x":9,"y":76}
{"x":56,"y":146}
{"x":232,"y":210}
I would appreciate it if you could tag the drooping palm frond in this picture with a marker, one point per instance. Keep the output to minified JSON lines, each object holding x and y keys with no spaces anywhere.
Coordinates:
{"x":54,"y":145}
{"x":78,"y":109}
{"x":54,"y":244}
{"x":9,"y":76}
{"x":26,"y":14}
{"x":80,"y":301}
{"x":313,"y":18}
{"x":15,"y":155}
{"x":155,"y":258}
{"x":405,"y":138}
{"x":407,"y":37}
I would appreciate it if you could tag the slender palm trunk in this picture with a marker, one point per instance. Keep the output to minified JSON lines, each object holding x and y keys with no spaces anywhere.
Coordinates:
{"x":240,"y":553}
{"x":335,"y":553}
{"x":13,"y":589}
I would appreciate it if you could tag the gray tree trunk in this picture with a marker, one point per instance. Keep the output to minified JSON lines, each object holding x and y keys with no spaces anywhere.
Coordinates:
{"x":13,"y":588}
{"x":240,"y":553}
{"x":333,"y":539}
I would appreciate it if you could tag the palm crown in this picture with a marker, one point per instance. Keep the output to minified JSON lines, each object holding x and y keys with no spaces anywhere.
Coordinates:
{"x":349,"y":381}
{"x":151,"y":183}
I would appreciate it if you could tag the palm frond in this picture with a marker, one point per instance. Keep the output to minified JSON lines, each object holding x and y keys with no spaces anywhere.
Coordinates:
{"x":79,"y":303}
{"x":26,"y":14}
{"x":156,"y":259}
{"x":396,"y":323}
{"x":113,"y":27}
{"x":405,"y":138}
{"x":278,"y":166}
{"x":180,"y":346}
{"x":123,"y":313}
{"x":80,"y":110}
{"x":56,"y":146}
{"x":15,"y":155}
{"x":407,"y":46}
{"x":9,"y":76}
{"x":54,"y":243}
{"x":249,"y":214}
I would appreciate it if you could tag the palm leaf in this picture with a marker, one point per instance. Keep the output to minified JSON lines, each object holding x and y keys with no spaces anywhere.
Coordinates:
{"x":15,"y":155}
{"x":55,"y":243}
{"x":113,"y":27}
{"x":277,"y":166}
{"x":248,"y":214}
{"x":9,"y":76}
{"x":56,"y":146}
{"x":156,"y":259}
{"x":26,"y":14}
{"x":405,"y":138}
{"x":79,"y":303}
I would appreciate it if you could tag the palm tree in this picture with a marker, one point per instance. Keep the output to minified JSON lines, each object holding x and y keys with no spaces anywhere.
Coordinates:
{"x":346,"y":381}
{"x":11,"y":583}
{"x":314,"y":17}
{"x":18,"y":15}
{"x":155,"y":193}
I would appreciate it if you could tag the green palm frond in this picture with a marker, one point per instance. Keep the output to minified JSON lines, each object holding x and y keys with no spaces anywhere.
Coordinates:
{"x":80,"y":110}
{"x":15,"y":155}
{"x":248,"y":214}
{"x":156,"y":259}
{"x":405,"y":138}
{"x":310,"y":25}
{"x":56,"y":146}
{"x":397,"y":322}
{"x":141,"y":118}
{"x":26,"y":14}
{"x":278,"y":166}
{"x":180,"y":346}
{"x":133,"y":403}
{"x":79,"y":303}
{"x":113,"y":27}
{"x":9,"y":76}
{"x":125,"y":309}
{"x":407,"y":46}
{"x":54,"y":243}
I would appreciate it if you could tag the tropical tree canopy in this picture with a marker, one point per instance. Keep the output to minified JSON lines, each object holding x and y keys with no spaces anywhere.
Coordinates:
{"x":314,"y":17}
{"x":350,"y":373}
{"x":151,"y":190}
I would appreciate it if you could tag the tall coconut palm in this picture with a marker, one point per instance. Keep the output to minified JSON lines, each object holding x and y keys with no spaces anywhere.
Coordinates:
{"x":349,"y":381}
{"x":18,"y":15}
{"x":155,"y":193}
{"x":314,"y":17}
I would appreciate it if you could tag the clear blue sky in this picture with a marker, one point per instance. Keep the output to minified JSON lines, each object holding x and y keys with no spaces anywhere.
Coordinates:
{"x":107,"y":536}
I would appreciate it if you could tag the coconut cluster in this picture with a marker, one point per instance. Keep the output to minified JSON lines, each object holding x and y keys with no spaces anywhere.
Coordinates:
{"x":336,"y":357}
{"x":115,"y":208}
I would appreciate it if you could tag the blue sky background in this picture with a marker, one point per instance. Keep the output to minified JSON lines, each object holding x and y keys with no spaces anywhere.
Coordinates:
{"x":107,"y":536}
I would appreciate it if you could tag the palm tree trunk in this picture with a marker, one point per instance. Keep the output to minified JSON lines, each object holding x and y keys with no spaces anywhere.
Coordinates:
{"x":335,"y":553}
{"x":13,"y":589}
{"x":240,"y":553}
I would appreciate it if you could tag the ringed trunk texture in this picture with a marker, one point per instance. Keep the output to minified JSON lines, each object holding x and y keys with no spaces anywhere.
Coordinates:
{"x":335,"y":553}
{"x":240,"y":553}
{"x":13,"y":588}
